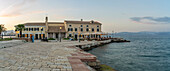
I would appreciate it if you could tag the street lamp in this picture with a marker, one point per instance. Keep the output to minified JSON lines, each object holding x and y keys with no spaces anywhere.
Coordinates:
{"x":60,"y":33}
{"x":89,"y":33}
{"x":41,"y":32}
{"x":112,"y":34}
{"x":79,"y":34}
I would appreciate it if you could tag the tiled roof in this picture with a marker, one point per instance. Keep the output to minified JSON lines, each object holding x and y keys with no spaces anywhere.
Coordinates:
{"x":41,"y":23}
{"x":55,"y":22}
{"x":34,"y":24}
{"x":83,"y":22}
{"x":56,"y":29}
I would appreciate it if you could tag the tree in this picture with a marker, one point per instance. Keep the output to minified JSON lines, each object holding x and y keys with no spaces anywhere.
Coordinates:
{"x":20,"y":27}
{"x":1,"y":30}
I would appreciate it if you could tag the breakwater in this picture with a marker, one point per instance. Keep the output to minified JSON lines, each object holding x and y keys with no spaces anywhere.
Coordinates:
{"x":86,"y":47}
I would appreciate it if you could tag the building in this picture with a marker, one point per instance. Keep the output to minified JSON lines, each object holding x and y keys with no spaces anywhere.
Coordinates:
{"x":8,"y":32}
{"x":64,"y":29}
{"x":82,"y":28}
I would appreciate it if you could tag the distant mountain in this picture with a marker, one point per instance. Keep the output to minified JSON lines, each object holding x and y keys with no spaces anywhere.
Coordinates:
{"x":163,"y":33}
{"x":143,"y":34}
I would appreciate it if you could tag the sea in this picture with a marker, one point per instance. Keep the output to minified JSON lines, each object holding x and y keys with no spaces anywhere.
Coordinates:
{"x":147,"y":51}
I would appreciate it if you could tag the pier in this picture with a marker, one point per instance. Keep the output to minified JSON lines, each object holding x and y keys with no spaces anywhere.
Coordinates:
{"x":87,"y":47}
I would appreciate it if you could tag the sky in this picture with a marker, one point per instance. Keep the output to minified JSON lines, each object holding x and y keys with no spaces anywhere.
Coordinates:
{"x":115,"y":15}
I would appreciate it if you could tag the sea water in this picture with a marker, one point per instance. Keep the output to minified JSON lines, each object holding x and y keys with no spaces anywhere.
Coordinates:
{"x":143,"y":53}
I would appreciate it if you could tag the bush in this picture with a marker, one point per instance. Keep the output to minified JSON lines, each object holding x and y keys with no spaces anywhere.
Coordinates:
{"x":106,"y":68}
{"x":66,"y":38}
{"x":5,"y":39}
{"x":51,"y":39}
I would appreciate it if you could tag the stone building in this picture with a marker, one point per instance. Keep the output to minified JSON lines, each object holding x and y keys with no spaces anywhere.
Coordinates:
{"x":65,"y":29}
{"x":82,"y":28}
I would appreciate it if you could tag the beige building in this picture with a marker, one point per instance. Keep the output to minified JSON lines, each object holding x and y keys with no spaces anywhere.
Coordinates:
{"x":82,"y":28}
{"x":64,"y":29}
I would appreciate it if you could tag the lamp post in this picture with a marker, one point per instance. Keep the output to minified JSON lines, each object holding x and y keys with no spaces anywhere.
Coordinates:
{"x":79,"y":34}
{"x":89,"y":33}
{"x":60,"y":33}
{"x":41,"y":32}
{"x":112,"y":34}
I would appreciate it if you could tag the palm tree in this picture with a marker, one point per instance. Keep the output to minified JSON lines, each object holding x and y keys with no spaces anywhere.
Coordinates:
{"x":20,"y":27}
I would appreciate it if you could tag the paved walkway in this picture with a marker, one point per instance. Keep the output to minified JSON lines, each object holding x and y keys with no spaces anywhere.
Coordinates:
{"x":42,"y":56}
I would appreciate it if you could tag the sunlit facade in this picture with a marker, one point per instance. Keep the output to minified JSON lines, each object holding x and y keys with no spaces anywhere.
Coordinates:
{"x":66,"y":29}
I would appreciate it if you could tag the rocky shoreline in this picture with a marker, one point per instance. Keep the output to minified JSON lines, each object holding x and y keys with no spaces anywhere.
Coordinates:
{"x":96,"y":63}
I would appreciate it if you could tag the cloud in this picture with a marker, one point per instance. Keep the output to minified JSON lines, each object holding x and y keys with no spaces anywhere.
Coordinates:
{"x":151,"y":20}
{"x":16,"y":9}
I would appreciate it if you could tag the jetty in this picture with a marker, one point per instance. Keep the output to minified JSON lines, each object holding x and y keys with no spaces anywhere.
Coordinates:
{"x":87,"y":47}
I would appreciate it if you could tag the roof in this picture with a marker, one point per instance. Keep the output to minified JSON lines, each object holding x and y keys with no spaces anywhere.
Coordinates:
{"x":83,"y":22}
{"x":56,"y":29}
{"x":41,"y":23}
{"x":34,"y":24}
{"x":55,"y":22}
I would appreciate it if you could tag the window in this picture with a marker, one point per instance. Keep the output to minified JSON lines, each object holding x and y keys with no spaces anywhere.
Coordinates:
{"x":30,"y":29}
{"x":69,"y":25}
{"x":70,"y":35}
{"x":26,"y":29}
{"x":97,"y":25}
{"x":76,"y":29}
{"x":41,"y":29}
{"x":70,"y":29}
{"x":92,"y":29}
{"x":35,"y":29}
{"x":81,"y":26}
{"x":87,"y":25}
{"x":81,"y":29}
{"x":97,"y":30}
{"x":87,"y":29}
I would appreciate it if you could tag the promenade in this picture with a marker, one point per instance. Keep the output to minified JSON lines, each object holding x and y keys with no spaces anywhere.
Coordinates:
{"x":45,"y":56}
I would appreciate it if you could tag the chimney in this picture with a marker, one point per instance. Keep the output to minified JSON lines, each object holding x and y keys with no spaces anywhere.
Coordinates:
{"x":81,"y":19}
{"x":46,"y":23}
{"x":46,"y":18}
{"x":92,"y":21}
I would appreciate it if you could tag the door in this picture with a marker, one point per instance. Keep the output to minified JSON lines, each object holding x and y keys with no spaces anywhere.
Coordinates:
{"x":75,"y":36}
{"x":40,"y":36}
{"x":36,"y":36}
{"x":43,"y":36}
{"x":30,"y":35}
{"x":56,"y":35}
